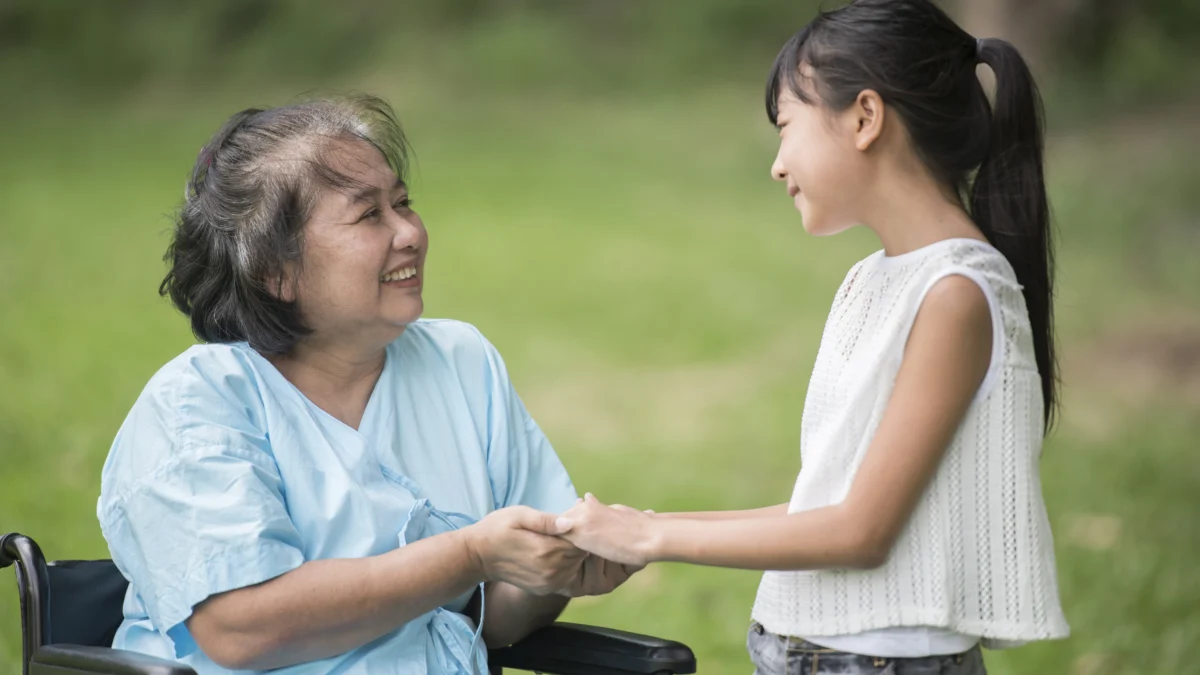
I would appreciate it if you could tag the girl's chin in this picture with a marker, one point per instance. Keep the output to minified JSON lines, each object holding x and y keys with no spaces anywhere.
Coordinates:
{"x":810,"y":220}
{"x":807,"y":217}
{"x":822,"y":227}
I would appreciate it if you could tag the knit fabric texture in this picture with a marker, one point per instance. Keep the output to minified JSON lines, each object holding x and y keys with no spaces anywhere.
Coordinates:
{"x":977,"y":555}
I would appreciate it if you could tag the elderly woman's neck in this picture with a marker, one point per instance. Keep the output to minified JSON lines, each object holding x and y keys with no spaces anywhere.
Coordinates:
{"x":338,"y":379}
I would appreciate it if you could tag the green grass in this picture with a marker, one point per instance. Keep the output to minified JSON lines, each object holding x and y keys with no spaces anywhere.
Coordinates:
{"x":659,"y":307}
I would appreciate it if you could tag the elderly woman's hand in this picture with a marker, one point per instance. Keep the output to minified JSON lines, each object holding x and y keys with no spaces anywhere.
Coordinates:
{"x":598,"y":576}
{"x":521,"y":546}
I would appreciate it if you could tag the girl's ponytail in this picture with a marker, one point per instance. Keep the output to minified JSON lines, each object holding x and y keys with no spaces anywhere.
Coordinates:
{"x":1008,"y":199}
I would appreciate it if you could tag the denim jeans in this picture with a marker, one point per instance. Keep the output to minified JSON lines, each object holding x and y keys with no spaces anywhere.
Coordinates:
{"x":777,"y":655}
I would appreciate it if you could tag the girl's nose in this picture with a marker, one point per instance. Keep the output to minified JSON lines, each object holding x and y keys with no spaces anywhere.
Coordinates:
{"x":777,"y":170}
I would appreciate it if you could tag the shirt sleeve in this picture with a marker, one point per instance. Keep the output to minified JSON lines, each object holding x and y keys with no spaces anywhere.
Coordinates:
{"x":192,"y":503}
{"x":523,"y":467}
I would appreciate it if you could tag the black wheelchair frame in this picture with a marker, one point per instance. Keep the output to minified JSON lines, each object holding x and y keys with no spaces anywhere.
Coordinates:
{"x":71,"y":609}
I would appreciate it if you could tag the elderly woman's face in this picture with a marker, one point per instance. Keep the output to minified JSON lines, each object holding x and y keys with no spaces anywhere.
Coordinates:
{"x":364,"y":254}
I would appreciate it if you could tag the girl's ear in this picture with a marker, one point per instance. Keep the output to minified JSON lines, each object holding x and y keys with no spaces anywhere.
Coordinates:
{"x":867,"y":115}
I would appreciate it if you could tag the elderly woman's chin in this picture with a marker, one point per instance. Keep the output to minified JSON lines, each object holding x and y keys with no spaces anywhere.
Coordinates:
{"x":402,"y":305}
{"x":406,"y":311}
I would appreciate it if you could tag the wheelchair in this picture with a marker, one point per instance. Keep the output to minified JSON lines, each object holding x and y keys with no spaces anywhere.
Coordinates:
{"x":71,"y":609}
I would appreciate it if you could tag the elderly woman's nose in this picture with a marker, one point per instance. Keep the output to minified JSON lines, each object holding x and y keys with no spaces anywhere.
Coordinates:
{"x":406,"y":230}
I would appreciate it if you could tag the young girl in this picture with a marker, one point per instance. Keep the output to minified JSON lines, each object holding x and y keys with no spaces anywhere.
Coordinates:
{"x":916,"y":531}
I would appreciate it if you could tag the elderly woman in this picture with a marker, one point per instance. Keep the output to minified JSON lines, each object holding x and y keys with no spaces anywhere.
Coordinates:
{"x":329,"y":484}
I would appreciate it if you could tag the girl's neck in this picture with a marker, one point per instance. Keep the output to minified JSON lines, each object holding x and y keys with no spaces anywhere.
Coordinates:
{"x":909,"y":211}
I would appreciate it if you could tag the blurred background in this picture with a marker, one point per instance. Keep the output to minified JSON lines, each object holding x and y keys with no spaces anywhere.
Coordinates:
{"x":594,"y":176}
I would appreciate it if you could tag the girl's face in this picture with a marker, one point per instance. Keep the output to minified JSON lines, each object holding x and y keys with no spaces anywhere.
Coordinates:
{"x":820,"y":163}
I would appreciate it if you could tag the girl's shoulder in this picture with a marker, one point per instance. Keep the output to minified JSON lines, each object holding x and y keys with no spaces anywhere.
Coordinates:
{"x":958,"y":250}
{"x":915,"y":269}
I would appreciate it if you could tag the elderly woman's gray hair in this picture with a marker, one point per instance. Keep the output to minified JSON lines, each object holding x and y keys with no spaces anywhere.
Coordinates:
{"x":252,"y":189}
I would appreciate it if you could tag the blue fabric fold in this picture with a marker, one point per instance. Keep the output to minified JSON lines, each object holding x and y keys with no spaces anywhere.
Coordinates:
{"x":224,"y":475}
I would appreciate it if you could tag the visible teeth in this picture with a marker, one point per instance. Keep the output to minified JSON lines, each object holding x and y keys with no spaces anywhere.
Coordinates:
{"x":400,"y":274}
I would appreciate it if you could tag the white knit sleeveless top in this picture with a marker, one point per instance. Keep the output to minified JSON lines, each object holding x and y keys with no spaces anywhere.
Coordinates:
{"x":977,"y":556}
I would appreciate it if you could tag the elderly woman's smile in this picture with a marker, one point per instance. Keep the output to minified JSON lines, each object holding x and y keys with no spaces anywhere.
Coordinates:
{"x":401,"y":277}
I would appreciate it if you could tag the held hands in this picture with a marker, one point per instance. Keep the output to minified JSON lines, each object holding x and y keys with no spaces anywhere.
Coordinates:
{"x":520,"y":546}
{"x":618,"y":534}
{"x":529,"y":549}
{"x":597,"y":576}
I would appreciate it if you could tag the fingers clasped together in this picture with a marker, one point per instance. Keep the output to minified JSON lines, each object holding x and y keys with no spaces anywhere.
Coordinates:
{"x":589,"y":550}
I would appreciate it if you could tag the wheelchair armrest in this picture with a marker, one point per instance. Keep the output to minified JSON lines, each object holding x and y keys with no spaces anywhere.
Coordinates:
{"x":67,"y":659}
{"x":573,"y":649}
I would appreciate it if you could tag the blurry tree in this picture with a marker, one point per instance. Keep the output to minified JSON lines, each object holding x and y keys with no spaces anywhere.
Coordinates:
{"x":1126,"y":48}
{"x":1121,"y":48}
{"x":1034,"y":26}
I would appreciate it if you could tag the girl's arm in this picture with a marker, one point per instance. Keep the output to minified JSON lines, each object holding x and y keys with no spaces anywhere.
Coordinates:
{"x":945,"y":361}
{"x":777,"y":510}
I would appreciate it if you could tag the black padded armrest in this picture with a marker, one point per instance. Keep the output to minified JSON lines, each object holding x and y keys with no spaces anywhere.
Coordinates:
{"x":66,"y":659}
{"x":572,"y":649}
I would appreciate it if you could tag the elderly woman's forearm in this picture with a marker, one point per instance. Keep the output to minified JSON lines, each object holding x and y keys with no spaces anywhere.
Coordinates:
{"x":328,"y":607}
{"x":512,"y":614}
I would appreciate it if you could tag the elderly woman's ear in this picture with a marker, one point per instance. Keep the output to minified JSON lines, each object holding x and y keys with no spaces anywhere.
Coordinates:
{"x":282,"y":284}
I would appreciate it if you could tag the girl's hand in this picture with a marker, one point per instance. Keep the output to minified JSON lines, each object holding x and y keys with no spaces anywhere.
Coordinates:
{"x":616,"y":533}
{"x":630,"y":570}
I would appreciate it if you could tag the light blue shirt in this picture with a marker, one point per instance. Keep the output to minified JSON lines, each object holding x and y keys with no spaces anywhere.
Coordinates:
{"x":224,"y":475}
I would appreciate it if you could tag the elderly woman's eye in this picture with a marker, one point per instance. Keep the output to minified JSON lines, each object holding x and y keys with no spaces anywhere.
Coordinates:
{"x":405,"y":203}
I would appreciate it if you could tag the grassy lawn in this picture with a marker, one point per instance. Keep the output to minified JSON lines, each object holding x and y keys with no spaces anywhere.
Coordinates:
{"x":659,"y":307}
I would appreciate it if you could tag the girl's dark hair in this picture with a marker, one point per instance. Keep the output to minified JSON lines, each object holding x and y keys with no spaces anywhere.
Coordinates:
{"x":252,"y":189}
{"x":923,"y":67}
